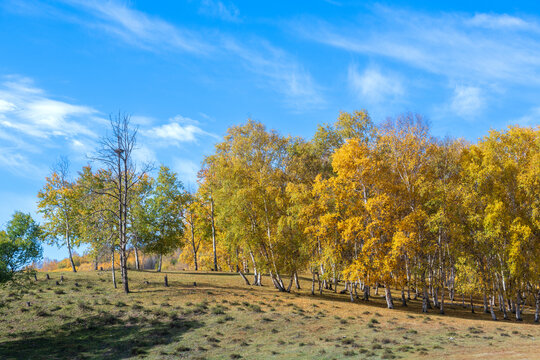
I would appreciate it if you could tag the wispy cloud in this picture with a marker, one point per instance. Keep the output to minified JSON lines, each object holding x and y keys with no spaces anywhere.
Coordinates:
{"x":286,"y":75}
{"x":467,"y":101}
{"x":15,"y":162}
{"x":454,"y":45}
{"x":140,"y":29}
{"x":177,"y":131}
{"x":503,"y":21}
{"x":276,"y":68}
{"x":372,"y":85}
{"x":32,"y":120}
{"x":218,"y":9}
{"x":27,"y":110}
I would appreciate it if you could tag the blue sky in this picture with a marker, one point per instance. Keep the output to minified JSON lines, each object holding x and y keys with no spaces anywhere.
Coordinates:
{"x":187,"y":70}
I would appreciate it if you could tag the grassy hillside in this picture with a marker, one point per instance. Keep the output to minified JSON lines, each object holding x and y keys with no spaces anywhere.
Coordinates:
{"x":220,"y":318}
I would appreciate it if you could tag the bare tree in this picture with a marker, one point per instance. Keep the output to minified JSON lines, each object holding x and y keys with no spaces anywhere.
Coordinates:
{"x":116,"y":154}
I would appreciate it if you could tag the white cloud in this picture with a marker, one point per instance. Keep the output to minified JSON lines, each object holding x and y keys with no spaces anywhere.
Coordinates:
{"x":26,"y":109}
{"x":277,"y":69}
{"x":286,"y":76}
{"x":504,"y":21}
{"x":6,"y":106}
{"x":446,"y":44}
{"x":467,"y":101}
{"x":218,"y":9}
{"x":140,"y":29}
{"x":178,"y":130}
{"x":372,"y":85}
{"x":32,"y":121}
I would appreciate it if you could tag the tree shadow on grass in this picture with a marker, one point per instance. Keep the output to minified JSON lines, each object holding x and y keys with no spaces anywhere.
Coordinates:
{"x":104,"y":336}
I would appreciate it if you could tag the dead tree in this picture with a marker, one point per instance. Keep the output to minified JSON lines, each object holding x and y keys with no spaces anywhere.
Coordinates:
{"x":116,"y":155}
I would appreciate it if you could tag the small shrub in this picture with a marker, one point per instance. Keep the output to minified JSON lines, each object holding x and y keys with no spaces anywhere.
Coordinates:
{"x":82,"y":306}
{"x":42,"y":313}
{"x":138,"y":351}
{"x":218,"y":310}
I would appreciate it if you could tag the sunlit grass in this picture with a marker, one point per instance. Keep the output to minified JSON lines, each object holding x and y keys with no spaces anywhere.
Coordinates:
{"x":222,"y":318}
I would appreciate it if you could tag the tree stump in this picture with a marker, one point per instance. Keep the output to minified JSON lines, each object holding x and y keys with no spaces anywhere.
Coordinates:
{"x":76,"y":284}
{"x":48,"y":277}
{"x":146,"y":282}
{"x":166,"y":281}
{"x":62,"y":278}
{"x":57,"y":283}
{"x":194,"y":283}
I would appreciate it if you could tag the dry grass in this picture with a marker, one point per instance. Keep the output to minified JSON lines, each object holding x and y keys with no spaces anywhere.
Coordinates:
{"x":221,"y":318}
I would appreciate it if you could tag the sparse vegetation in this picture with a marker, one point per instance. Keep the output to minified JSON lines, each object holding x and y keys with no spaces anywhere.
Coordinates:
{"x":145,"y":324}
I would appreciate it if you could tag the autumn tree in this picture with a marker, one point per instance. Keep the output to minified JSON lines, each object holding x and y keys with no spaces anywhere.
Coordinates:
{"x":58,"y":203}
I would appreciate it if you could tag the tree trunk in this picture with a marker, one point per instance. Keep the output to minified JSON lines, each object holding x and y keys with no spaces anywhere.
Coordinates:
{"x":425,"y":300}
{"x":491,"y":304}
{"x":351,"y":291}
{"x":112,"y":269}
{"x":195,"y":249}
{"x":403,"y":299}
{"x":388,"y":295}
{"x":320,"y":285}
{"x":537,"y":312}
{"x":256,"y":274}
{"x":70,"y":253}
{"x":486,"y":307}
{"x":435,"y":297}
{"x":335,"y":280}
{"x":123,"y":264}
{"x":313,"y":283}
{"x":137,"y":266}
{"x":160,"y":263}
{"x":518,"y":304}
{"x":366,"y":293}
{"x":213,"y":233}
{"x":296,"y":281}
{"x":244,"y":277}
{"x":290,"y":283}
{"x":278,"y":283}
{"x":472,"y":304}
{"x":505,"y":314}
{"x":441,"y":303}
{"x":408,"y":270}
